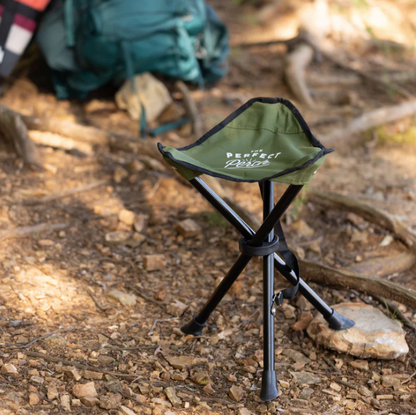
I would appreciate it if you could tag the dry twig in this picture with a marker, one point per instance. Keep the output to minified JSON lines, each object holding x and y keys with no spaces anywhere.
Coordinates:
{"x":29,"y":230}
{"x":26,"y":346}
{"x":64,"y":193}
{"x":97,"y":304}
{"x":395,"y":311}
{"x":77,"y":365}
{"x":145,"y":297}
{"x":409,"y":378}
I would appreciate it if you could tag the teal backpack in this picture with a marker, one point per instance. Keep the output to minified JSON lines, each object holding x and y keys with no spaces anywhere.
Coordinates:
{"x":89,"y":43}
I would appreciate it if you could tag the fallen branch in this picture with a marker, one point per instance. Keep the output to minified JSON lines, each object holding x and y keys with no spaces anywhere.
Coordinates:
{"x":369,"y":213}
{"x":57,"y":141}
{"x":288,"y":42}
{"x":146,"y":298}
{"x":97,"y":304}
{"x":297,"y":60}
{"x":369,"y":120}
{"x":64,"y":193}
{"x":346,"y":279}
{"x":190,"y":105}
{"x":377,"y":81}
{"x":26,"y":346}
{"x":384,"y":266}
{"x":13,"y":133}
{"x":86,"y":134}
{"x":29,"y":230}
{"x":409,"y":378}
{"x":81,"y":366}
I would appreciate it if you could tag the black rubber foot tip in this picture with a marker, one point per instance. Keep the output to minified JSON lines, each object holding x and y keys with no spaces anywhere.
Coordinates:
{"x":338,"y":322}
{"x":193,"y":327}
{"x":268,"y":386}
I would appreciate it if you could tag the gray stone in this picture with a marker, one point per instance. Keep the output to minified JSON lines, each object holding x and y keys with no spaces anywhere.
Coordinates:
{"x":365,"y":391}
{"x":117,"y":236}
{"x":86,"y":389}
{"x":236,"y":393}
{"x":170,"y":393}
{"x":306,"y":393}
{"x":374,"y":335}
{"x":149,"y":92}
{"x":305,"y":378}
{"x":123,"y":298}
{"x":296,"y":356}
{"x":105,"y":360}
{"x":111,"y":401}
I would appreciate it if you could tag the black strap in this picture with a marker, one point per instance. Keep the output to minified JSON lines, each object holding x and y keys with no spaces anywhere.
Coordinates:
{"x":291,"y":261}
{"x":7,"y":18}
{"x":10,"y":9}
{"x":21,"y":8}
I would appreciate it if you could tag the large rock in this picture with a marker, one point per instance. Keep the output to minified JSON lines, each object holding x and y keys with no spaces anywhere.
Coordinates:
{"x":149,"y":92}
{"x":86,"y":389}
{"x":124,"y":298}
{"x":373,"y":336}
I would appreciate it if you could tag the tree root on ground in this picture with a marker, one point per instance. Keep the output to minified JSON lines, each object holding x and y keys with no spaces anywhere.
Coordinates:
{"x":29,"y":230}
{"x":13,"y":133}
{"x":297,"y":60}
{"x":370,"y":119}
{"x":369,"y":213}
{"x":190,"y":105}
{"x":346,"y":279}
{"x":386,"y":265}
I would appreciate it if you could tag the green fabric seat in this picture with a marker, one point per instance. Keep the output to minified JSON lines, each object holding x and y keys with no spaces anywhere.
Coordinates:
{"x":265,"y":139}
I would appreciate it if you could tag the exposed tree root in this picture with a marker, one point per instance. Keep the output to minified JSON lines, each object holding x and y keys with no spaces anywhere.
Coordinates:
{"x":377,"y":81}
{"x":369,"y":213}
{"x":58,"y":141}
{"x":13,"y":133}
{"x":346,"y":279}
{"x":64,"y":193}
{"x":85,"y":134}
{"x":54,"y":359}
{"x":387,"y":265}
{"x":297,"y":61}
{"x":197,"y":127}
{"x":29,"y":230}
{"x":369,"y":120}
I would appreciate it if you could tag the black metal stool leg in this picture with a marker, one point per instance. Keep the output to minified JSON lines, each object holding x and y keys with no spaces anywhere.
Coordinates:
{"x":269,"y":386}
{"x":336,"y":321}
{"x":197,"y":324}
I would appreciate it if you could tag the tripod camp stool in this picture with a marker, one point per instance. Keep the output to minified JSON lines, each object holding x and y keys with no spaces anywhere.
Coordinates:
{"x":264,"y":141}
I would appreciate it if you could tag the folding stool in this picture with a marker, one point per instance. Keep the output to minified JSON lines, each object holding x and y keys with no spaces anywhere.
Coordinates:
{"x":264,"y":141}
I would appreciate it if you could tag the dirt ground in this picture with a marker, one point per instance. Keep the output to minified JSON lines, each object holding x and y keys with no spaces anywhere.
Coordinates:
{"x":55,"y":306}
